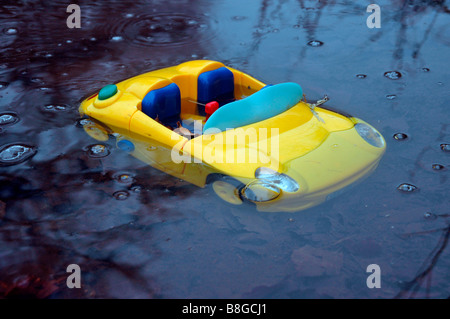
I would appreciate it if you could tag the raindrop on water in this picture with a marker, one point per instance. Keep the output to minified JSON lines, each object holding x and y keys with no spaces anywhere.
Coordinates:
{"x":117,"y":38}
{"x":82,"y":122}
{"x":37,"y":80}
{"x":56,"y":107}
{"x":429,"y":215}
{"x":393,"y":75}
{"x":437,"y":167}
{"x":445,"y":147}
{"x":121,"y":195}
{"x":162,"y":29}
{"x":98,"y":151}
{"x":11,"y":31}
{"x":136,"y":188}
{"x":13,"y":154}
{"x":400,"y":136}
{"x":315,"y":43}
{"x":3,"y":85}
{"x":8,"y":118}
{"x":391,"y":96}
{"x":124,"y":178}
{"x":407,"y":188}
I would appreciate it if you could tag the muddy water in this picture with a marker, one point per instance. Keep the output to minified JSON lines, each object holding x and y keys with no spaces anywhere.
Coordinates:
{"x":136,"y":232}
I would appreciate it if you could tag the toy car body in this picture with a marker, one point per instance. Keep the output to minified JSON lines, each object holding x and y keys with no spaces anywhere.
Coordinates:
{"x":263,"y":145}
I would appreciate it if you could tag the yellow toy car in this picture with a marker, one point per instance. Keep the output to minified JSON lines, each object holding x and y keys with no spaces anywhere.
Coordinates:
{"x":210,"y":124}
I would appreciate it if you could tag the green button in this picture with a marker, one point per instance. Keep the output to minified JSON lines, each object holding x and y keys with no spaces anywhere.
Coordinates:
{"x":107,"y":91}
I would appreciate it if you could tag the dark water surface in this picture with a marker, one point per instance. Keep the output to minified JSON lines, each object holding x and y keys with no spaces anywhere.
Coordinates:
{"x":137,"y":232}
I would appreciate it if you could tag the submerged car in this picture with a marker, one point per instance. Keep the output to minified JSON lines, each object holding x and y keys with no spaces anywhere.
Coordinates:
{"x":210,"y":124}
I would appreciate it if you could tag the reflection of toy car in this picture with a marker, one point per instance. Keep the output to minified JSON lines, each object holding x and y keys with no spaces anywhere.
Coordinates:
{"x":210,"y":124}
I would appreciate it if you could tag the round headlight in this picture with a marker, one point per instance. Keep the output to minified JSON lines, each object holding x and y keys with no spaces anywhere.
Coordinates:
{"x":281,"y":181}
{"x":260,"y":191}
{"x":369,"y":134}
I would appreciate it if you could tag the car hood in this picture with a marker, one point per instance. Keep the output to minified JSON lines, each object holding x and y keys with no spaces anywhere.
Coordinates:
{"x":270,"y":143}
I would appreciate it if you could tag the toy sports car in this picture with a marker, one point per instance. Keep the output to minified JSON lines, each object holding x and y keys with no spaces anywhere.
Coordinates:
{"x":210,"y":124}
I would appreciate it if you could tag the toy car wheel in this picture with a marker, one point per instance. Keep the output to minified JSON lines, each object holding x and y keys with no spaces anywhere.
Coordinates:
{"x":226,"y":187}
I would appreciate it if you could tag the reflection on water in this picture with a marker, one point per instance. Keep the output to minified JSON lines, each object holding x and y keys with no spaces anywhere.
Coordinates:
{"x":136,"y":232}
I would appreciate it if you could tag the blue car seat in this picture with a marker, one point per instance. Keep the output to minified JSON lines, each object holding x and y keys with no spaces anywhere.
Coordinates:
{"x":164,"y":104}
{"x":216,"y":85}
{"x":266,"y":103}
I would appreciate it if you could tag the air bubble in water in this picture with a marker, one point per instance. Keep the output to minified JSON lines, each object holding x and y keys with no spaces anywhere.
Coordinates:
{"x":407,"y":188}
{"x":429,"y":215}
{"x":393,"y":75}
{"x":98,"y":151}
{"x":3,"y":85}
{"x":80,"y":123}
{"x":445,"y":147}
{"x":8,"y":118}
{"x":121,"y":195}
{"x":13,"y":154}
{"x":136,"y":188}
{"x":437,"y":167}
{"x":361,"y":76}
{"x":11,"y":31}
{"x":56,"y":107}
{"x":124,"y":178}
{"x":400,"y":136}
{"x":315,"y":43}
{"x":117,"y":38}
{"x":391,"y":96}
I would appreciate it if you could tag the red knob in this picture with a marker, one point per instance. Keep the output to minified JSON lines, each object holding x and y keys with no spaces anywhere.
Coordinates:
{"x":210,"y":108}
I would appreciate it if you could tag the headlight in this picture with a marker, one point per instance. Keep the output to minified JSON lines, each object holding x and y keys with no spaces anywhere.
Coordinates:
{"x":281,"y":181}
{"x":369,"y":134}
{"x":260,"y":191}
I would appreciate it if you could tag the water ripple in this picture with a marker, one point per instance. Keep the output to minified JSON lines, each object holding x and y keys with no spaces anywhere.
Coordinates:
{"x":12,"y":154}
{"x":8,"y":118}
{"x":160,"y":30}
